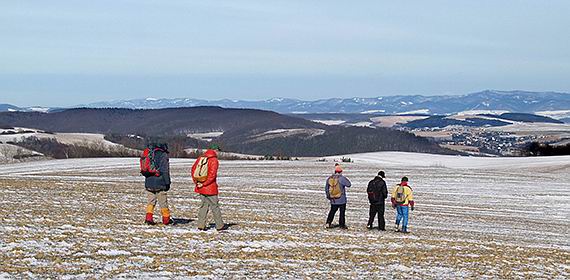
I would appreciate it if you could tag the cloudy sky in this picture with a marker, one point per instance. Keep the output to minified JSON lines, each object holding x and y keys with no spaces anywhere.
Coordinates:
{"x":63,"y":53}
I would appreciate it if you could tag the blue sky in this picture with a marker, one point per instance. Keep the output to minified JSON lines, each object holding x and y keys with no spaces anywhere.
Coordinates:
{"x":63,"y":53}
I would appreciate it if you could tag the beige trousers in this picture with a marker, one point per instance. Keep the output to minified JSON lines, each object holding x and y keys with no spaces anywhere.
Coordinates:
{"x":210,"y":202}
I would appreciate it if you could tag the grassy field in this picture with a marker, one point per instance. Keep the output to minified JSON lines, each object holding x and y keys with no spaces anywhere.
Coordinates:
{"x":84,"y":219}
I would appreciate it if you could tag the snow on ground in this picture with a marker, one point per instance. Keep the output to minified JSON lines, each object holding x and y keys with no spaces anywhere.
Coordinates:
{"x":361,"y":124}
{"x":11,"y":153}
{"x":475,"y":218}
{"x":389,"y":121}
{"x":420,"y":111}
{"x":534,"y":128}
{"x":453,"y":162}
{"x":480,"y":112}
{"x":330,"y":122}
{"x":208,"y":136}
{"x":64,"y":138}
{"x":560,"y":114}
{"x":278,"y":133}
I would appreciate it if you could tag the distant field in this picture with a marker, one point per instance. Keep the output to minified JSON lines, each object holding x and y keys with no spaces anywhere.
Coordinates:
{"x":475,"y":218}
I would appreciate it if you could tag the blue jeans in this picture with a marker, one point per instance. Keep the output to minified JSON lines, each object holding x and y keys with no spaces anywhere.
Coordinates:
{"x":402,"y":215}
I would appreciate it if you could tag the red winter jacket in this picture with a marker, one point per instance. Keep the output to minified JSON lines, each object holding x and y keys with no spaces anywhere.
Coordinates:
{"x":210,"y":186}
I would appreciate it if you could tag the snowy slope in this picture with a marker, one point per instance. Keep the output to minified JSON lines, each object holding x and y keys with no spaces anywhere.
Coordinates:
{"x":481,"y":219}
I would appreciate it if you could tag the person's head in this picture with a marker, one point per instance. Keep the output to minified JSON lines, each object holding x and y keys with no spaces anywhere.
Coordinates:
{"x":404,"y":179}
{"x":337,"y":168}
{"x":382,"y":174}
{"x":162,"y":146}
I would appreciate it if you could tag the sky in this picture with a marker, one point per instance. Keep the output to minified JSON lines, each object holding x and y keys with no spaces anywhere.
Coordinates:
{"x":65,"y":53}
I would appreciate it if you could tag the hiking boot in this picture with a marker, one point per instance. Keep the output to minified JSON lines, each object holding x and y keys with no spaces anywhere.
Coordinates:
{"x":397,"y":228}
{"x":224,"y":227}
{"x":169,"y":222}
{"x":343,"y":227}
{"x":369,"y":227}
{"x":202,"y":229}
{"x":328,"y":226}
{"x":381,"y":229}
{"x":149,"y":222}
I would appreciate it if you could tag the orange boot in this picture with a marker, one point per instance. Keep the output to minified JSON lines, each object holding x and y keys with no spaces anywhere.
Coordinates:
{"x":166,"y":216}
{"x":149,"y":212}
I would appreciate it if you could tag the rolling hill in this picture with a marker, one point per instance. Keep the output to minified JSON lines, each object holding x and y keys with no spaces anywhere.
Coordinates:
{"x":240,"y":130}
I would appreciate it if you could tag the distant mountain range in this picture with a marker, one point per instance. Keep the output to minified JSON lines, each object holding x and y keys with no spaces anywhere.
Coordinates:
{"x":489,"y":101}
{"x":511,"y":101}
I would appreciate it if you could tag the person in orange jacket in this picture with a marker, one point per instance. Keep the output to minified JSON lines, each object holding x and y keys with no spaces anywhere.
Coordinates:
{"x":204,"y":174}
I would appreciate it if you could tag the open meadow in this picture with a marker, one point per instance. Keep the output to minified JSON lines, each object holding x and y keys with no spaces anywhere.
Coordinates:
{"x":474,"y":218}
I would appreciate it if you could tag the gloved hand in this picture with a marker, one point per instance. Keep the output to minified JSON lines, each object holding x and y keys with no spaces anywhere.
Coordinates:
{"x":412,"y":208}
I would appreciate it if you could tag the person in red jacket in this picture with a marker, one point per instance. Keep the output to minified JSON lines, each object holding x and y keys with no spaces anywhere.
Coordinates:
{"x":204,"y":174}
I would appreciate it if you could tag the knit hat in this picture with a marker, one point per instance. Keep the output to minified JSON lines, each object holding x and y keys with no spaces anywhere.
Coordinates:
{"x":382,"y":174}
{"x":337,"y":168}
{"x":214,"y":146}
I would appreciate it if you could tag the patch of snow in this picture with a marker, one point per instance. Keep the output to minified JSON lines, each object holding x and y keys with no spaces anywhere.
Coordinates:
{"x":40,"y":109}
{"x":558,"y":114}
{"x":373,"y":111}
{"x":113,"y":253}
{"x":479,"y":112}
{"x":208,"y":136}
{"x":420,"y":111}
{"x":429,"y":160}
{"x":361,"y":124}
{"x":329,"y":122}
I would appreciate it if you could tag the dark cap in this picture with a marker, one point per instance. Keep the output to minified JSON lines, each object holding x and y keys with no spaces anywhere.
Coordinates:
{"x":404,"y":179}
{"x":382,"y":174}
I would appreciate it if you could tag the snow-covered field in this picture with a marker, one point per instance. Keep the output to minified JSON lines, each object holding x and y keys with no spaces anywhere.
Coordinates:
{"x":475,"y":218}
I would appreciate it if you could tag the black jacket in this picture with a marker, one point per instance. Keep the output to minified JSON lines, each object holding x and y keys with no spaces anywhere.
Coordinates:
{"x":377,"y":191}
{"x":162,"y":182}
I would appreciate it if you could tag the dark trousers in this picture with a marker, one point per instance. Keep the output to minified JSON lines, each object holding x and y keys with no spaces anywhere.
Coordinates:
{"x":377,"y":209}
{"x":332,"y":212}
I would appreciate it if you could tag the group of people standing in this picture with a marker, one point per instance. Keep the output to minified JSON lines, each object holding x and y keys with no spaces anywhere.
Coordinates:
{"x":401,"y":199}
{"x":155,"y":167}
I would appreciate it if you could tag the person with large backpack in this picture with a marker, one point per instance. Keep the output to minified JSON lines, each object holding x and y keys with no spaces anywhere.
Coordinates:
{"x":155,"y":166}
{"x":402,"y":197}
{"x":204,"y":174}
{"x":335,"y":190}
{"x":377,"y":194}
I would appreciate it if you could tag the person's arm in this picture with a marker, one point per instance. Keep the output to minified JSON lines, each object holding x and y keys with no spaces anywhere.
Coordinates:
{"x":345,"y":182}
{"x":411,"y":199}
{"x":213,"y":164}
{"x":164,"y":168}
{"x":384,"y":190}
{"x":193,"y":169}
{"x":327,"y":187}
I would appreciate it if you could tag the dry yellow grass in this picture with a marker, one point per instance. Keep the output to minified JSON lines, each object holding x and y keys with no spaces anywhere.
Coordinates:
{"x":87,"y":223}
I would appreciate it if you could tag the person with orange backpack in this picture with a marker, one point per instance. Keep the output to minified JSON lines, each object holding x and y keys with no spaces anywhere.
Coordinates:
{"x":155,"y":166}
{"x":204,"y":174}
{"x":402,"y":196}
{"x":335,"y":190}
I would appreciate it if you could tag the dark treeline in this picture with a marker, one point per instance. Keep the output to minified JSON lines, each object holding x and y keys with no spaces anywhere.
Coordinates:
{"x":540,"y":149}
{"x":52,"y":148}
{"x":340,"y":140}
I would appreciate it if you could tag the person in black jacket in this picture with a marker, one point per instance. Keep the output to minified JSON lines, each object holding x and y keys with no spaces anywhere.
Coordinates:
{"x":157,"y":186}
{"x":377,"y":194}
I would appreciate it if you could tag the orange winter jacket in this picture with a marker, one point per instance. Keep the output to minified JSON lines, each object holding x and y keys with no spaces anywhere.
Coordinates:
{"x":210,"y":186}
